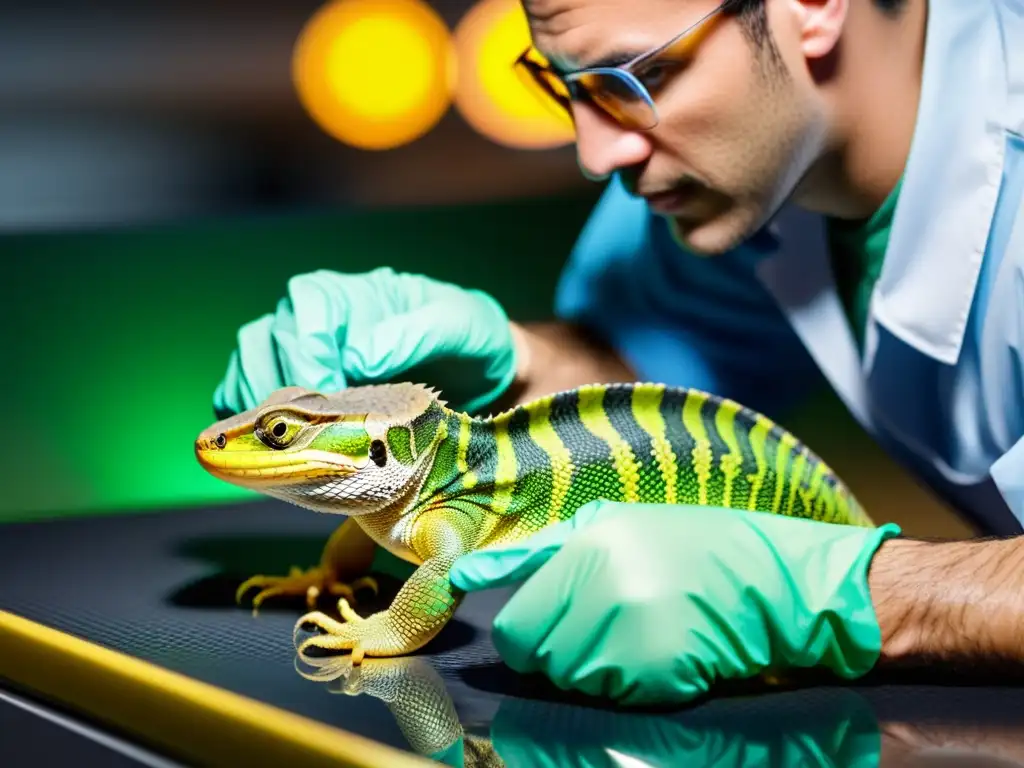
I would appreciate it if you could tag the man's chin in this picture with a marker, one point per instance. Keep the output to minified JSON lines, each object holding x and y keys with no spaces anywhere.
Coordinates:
{"x":706,"y":237}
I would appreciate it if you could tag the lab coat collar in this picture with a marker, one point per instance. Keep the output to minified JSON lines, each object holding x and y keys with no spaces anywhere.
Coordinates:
{"x":941,"y":223}
{"x":791,"y":261}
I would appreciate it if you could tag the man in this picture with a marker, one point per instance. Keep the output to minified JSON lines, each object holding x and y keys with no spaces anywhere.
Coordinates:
{"x":800,"y":186}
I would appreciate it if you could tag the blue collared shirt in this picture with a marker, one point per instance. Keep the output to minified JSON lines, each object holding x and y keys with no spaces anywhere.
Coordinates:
{"x":941,"y":382}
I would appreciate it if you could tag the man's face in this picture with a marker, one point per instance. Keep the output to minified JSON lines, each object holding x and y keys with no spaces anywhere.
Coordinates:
{"x":737,"y":130}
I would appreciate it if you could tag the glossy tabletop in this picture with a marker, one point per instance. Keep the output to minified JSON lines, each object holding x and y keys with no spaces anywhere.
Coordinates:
{"x":159,"y":587}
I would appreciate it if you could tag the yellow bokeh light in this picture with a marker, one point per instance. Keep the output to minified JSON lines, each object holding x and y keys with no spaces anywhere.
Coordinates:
{"x":491,"y":96}
{"x":375,"y":74}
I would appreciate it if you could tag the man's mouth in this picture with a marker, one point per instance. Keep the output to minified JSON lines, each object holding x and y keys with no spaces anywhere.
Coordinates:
{"x":676,"y":201}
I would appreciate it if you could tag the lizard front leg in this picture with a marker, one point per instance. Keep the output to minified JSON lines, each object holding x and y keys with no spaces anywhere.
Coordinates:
{"x":344,"y":563}
{"x":422,"y":606}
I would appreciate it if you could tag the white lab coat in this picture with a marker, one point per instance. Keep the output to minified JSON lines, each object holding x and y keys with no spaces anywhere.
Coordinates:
{"x":941,"y":381}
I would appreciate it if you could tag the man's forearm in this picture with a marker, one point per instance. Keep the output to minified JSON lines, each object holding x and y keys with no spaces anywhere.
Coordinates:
{"x":556,"y":356}
{"x":959,"y":603}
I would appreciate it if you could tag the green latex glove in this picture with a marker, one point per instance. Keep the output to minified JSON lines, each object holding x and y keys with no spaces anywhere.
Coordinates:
{"x":334,"y":330}
{"x":650,"y":604}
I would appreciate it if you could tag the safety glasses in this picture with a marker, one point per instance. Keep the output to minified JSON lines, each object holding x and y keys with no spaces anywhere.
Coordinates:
{"x":620,"y":92}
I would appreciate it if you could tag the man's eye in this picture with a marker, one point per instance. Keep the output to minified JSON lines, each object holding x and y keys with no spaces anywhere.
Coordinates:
{"x":654,"y":76}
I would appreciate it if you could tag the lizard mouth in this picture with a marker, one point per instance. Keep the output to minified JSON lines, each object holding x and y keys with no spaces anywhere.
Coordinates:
{"x":273,"y":468}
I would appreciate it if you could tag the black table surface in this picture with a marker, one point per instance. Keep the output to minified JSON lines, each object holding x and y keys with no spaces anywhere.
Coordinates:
{"x":159,"y":586}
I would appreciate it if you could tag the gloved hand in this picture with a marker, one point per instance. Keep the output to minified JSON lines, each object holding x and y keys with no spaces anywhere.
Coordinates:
{"x":655,"y":603}
{"x":334,"y":330}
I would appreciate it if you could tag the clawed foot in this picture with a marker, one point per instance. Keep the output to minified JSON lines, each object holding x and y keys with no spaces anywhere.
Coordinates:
{"x":312,"y":583}
{"x":353,"y":633}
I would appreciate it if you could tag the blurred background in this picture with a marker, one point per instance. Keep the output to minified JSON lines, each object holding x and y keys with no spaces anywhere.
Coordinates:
{"x":165,"y":168}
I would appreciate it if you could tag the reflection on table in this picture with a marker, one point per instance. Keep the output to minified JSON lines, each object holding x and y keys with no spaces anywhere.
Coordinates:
{"x":815,"y":726}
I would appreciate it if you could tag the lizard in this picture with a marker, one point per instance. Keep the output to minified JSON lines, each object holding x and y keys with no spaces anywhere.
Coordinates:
{"x":428,"y":483}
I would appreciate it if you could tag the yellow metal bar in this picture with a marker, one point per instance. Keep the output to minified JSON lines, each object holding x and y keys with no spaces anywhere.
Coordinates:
{"x":185,"y":718}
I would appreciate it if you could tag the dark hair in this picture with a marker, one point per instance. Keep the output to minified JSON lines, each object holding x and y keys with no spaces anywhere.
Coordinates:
{"x":754,"y":20}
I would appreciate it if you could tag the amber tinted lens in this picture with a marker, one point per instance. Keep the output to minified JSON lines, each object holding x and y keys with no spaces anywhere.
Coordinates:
{"x":621,"y":97}
{"x":544,"y":83}
{"x":554,"y":86}
{"x":613,"y":91}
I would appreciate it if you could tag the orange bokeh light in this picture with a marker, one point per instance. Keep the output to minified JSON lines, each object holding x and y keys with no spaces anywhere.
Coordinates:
{"x":490,"y":95}
{"x":375,"y":74}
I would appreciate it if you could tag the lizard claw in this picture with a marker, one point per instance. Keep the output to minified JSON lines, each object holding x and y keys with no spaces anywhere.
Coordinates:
{"x":311,"y":583}
{"x":353,"y":633}
{"x":329,"y":668}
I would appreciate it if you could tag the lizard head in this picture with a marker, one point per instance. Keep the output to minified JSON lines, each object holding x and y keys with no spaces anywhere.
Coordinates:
{"x":351,"y":452}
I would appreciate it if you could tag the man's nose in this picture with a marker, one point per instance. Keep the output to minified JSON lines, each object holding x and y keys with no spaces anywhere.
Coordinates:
{"x":603,"y":146}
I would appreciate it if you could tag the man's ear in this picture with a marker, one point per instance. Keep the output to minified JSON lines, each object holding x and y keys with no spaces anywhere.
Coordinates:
{"x":820,"y":25}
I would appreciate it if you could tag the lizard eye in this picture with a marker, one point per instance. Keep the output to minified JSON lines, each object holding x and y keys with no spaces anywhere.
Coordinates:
{"x":277,"y":432}
{"x":378,"y":453}
{"x":221,"y":440}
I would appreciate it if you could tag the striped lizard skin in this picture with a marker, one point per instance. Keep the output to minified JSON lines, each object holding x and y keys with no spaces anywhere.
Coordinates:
{"x":429,"y":484}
